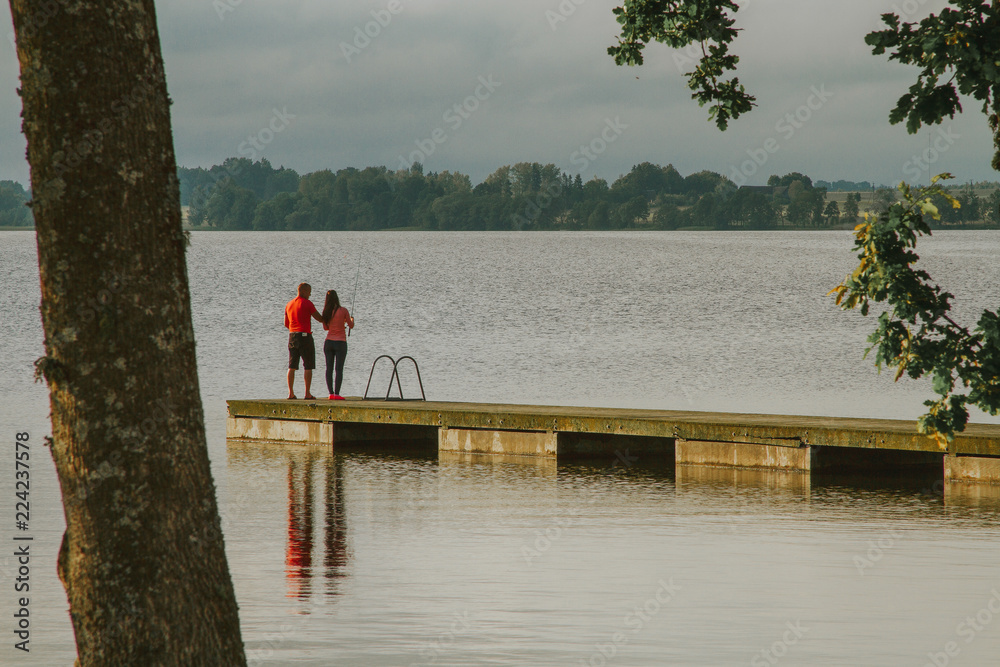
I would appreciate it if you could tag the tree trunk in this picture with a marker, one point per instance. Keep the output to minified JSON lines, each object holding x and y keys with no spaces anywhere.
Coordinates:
{"x":142,"y":560}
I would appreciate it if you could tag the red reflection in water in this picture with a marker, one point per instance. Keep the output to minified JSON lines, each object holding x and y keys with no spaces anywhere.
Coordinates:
{"x":302,"y":499}
{"x":298,"y":558}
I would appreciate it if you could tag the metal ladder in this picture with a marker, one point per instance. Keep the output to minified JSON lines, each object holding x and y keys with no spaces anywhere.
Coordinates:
{"x":395,"y":376}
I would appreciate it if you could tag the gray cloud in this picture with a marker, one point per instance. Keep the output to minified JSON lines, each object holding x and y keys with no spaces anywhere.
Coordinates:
{"x":557,"y":86}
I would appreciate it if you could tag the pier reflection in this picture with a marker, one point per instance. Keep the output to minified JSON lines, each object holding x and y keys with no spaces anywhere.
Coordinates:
{"x":293,"y":495}
{"x":777,"y":482}
{"x":979,"y":496}
{"x":524,"y":466}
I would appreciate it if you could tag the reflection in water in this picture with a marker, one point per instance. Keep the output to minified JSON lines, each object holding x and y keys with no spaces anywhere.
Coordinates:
{"x":302,"y":510}
{"x":548,"y":559}
{"x":298,"y":558}
{"x":540,"y":466}
{"x":796,"y":484}
{"x":335,"y":536}
{"x":963,"y":494}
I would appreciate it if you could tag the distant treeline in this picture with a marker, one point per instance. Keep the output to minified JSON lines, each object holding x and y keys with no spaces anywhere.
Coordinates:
{"x":14,"y":211}
{"x":244,"y":195}
{"x":845,"y":186}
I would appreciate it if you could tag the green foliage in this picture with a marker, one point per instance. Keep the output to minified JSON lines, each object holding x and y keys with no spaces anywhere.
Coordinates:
{"x":974,"y":209}
{"x":844,"y":186}
{"x":957,"y":52}
{"x":669,"y":216}
{"x":915,"y":335}
{"x":679,"y":23}
{"x":882,"y":199}
{"x":992,"y":207}
{"x":524,"y":196}
{"x":14,"y":211}
{"x":599,"y":218}
{"x":850,"y":212}
{"x":750,"y":210}
{"x":971,"y":204}
{"x":805,"y":202}
{"x":832,"y":212}
{"x":231,"y":207}
{"x":198,"y":185}
{"x":632,"y":213}
{"x":788,"y":179}
{"x":647,"y":180}
{"x":702,"y":182}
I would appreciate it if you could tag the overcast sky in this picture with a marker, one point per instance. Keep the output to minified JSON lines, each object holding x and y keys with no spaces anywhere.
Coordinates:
{"x":237,"y":69}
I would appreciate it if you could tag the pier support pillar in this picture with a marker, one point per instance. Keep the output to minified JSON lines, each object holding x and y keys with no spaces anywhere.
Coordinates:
{"x":975,"y":469}
{"x":488,"y":441}
{"x":280,"y":430}
{"x":742,"y":455}
{"x":795,"y":457}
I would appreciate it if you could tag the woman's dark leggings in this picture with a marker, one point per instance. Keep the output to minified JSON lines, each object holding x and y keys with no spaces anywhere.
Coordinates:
{"x":334,"y":351}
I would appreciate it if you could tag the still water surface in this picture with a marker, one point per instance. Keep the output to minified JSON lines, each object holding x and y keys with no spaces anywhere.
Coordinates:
{"x":377,"y":559}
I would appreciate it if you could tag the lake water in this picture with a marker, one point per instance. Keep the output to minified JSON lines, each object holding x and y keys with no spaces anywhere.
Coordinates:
{"x":379,"y":559}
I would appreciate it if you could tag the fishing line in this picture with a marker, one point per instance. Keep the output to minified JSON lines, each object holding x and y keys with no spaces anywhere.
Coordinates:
{"x":354,"y":297}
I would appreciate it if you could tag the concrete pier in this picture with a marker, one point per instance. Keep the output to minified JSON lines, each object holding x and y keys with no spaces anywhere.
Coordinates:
{"x":280,"y":430}
{"x":975,"y":469}
{"x":743,"y":455}
{"x":792,"y":444}
{"x":479,"y":441}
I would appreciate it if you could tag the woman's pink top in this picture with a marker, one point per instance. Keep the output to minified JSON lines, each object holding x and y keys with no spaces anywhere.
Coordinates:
{"x":339,"y":323}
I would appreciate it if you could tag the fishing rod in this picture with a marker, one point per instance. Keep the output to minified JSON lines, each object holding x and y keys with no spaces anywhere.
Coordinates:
{"x":357,"y":275}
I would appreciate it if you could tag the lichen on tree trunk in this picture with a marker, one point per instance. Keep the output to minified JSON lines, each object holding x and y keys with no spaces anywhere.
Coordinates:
{"x":143,"y":559}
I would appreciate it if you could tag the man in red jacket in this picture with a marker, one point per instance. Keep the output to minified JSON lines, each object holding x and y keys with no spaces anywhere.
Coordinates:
{"x":300,"y":341}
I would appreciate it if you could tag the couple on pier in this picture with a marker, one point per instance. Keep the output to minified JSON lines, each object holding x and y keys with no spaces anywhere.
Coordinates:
{"x":299,"y":313}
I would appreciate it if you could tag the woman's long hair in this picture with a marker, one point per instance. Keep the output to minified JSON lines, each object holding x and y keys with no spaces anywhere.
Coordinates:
{"x":330,"y":307}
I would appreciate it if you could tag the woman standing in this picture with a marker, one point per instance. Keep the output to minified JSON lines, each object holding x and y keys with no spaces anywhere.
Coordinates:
{"x":336,"y":320}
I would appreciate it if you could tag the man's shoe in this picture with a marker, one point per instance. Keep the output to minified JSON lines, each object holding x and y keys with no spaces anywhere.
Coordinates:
{"x":337,"y":397}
